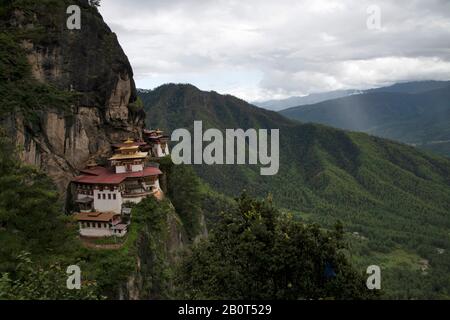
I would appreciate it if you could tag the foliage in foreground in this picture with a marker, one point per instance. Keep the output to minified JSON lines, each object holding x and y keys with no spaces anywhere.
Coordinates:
{"x":34,"y":282}
{"x":32,"y":223}
{"x":257,"y":253}
{"x":184,"y":191}
{"x":31,"y":217}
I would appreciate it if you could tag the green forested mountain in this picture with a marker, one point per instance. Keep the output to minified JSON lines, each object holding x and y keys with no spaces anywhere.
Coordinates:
{"x":414,"y":113}
{"x":172,"y":106}
{"x":393,"y":199}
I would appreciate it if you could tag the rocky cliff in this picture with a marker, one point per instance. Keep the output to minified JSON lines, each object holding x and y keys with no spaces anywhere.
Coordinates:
{"x":157,"y":252}
{"x":87,"y":64}
{"x":65,"y":96}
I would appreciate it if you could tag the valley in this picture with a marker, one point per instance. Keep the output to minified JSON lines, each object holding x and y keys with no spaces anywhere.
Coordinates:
{"x":393,"y":195}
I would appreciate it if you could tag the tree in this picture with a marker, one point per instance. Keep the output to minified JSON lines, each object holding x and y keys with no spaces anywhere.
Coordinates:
{"x":257,"y":253}
{"x":31,"y":216}
{"x":34,"y":282}
{"x":183,"y":189}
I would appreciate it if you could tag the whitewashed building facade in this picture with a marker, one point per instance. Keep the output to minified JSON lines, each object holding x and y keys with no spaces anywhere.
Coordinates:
{"x":102,"y":192}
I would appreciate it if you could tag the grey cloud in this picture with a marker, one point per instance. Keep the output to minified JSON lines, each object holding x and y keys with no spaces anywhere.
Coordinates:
{"x":297,"y":47}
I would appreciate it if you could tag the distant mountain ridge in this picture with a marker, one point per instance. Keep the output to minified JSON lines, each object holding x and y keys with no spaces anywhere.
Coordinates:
{"x":411,"y":87}
{"x":415,"y":113}
{"x":313,"y":98}
{"x":280,"y":104}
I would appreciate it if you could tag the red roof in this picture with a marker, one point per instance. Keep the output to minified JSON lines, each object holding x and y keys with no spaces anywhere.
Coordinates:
{"x":101,"y":175}
{"x":96,"y":171}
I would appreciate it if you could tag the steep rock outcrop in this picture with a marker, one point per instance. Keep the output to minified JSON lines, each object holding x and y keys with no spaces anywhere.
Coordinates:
{"x":88,"y":62}
{"x":147,"y":282}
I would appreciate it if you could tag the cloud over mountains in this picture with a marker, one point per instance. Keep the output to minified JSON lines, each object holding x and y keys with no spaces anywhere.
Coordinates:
{"x":272,"y":49}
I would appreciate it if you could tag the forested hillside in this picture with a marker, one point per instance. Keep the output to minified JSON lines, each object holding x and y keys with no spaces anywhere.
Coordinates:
{"x":413,"y":113}
{"x":393,"y":199}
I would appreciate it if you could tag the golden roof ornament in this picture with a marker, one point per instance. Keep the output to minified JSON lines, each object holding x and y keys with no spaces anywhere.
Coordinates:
{"x":91,"y":163}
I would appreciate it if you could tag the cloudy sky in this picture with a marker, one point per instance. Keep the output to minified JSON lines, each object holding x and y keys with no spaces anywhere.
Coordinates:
{"x":260,"y":50}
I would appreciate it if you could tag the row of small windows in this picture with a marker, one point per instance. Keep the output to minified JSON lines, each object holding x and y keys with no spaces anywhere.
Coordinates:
{"x":103,"y":196}
{"x":99,"y":225}
{"x":94,"y":225}
{"x":124,"y":163}
{"x":89,"y":192}
{"x":100,"y":188}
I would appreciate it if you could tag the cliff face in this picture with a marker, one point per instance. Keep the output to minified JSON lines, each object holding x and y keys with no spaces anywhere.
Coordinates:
{"x":88,"y":63}
{"x":65,"y":96}
{"x":157,"y":251}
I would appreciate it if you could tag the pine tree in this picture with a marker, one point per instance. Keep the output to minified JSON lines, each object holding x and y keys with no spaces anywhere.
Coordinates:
{"x":255,"y":252}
